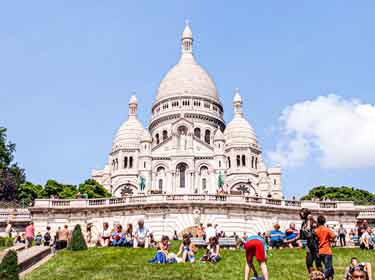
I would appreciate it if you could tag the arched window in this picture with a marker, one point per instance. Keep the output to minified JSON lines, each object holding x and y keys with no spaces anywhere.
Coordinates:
{"x":197,"y":132}
{"x":116,"y":163}
{"x":252,"y":162}
{"x":229,"y":163}
{"x":160,"y":170}
{"x":243,"y":160}
{"x":256,"y":163}
{"x":204,"y":170}
{"x":144,"y":164}
{"x":219,"y":163}
{"x":157,"y":139}
{"x":165,"y":135}
{"x":207,"y":136}
{"x":113,"y":164}
{"x":274,"y":182}
{"x":130,"y":162}
{"x":238,"y":161}
{"x":182,"y":167}
{"x":125,"y":162}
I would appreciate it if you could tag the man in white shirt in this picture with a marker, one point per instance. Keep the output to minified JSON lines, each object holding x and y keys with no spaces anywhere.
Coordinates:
{"x":209,"y":232}
{"x":141,"y":235}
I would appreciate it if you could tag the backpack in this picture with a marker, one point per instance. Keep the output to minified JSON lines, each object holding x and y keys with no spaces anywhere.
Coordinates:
{"x":47,"y":236}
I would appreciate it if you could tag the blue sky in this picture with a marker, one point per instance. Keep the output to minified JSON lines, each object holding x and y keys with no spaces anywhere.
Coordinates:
{"x":68,"y":69}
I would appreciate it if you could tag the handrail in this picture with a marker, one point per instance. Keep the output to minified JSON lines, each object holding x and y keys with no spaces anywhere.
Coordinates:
{"x":196,"y":198}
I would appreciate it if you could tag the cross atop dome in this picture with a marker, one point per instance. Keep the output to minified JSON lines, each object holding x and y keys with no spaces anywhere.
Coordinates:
{"x":187,"y":39}
{"x":133,"y":104}
{"x":237,"y":103}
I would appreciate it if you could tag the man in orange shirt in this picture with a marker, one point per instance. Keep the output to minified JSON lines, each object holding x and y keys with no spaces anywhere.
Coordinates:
{"x":325,"y":235}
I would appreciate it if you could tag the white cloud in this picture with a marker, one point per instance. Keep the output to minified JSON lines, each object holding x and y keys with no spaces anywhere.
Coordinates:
{"x":341,"y":132}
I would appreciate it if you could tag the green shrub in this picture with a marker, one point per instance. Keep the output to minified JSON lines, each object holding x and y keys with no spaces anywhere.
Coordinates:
{"x":9,"y":268}
{"x":6,"y":242}
{"x":77,"y":241}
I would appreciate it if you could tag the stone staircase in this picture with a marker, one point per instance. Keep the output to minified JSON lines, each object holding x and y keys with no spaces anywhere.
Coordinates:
{"x":28,"y":257}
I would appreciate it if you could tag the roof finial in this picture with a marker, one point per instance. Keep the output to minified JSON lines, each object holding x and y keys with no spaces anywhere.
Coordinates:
{"x":237,"y":102}
{"x":133,"y":104}
{"x":187,"y":39}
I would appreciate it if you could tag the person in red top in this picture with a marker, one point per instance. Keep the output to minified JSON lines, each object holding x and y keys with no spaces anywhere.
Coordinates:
{"x":30,"y":234}
{"x":325,"y":236}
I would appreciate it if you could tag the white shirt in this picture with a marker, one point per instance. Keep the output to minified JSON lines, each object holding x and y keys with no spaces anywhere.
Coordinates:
{"x":210,"y":232}
{"x":106,"y":233}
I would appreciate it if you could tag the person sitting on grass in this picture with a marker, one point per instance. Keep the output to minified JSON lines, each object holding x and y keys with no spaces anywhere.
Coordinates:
{"x":358,"y":270}
{"x":256,"y":246}
{"x":141,"y":235}
{"x":292,"y":236}
{"x":277,"y":237}
{"x":128,"y":242}
{"x":162,"y":255}
{"x":212,"y":253}
{"x":187,"y":249}
{"x":366,"y":242}
{"x":118,"y":237}
{"x":105,"y":236}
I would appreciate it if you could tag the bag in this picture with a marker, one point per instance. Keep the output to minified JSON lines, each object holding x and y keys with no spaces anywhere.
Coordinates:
{"x":47,"y":236}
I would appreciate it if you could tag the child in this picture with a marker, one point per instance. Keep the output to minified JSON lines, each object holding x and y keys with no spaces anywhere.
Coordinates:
{"x":212,"y":253}
{"x":256,"y":246}
{"x":162,"y":254}
{"x":360,"y":270}
{"x":118,"y":237}
{"x":316,"y":275}
{"x":325,"y":236}
{"x":187,"y":249}
{"x":38,"y":239}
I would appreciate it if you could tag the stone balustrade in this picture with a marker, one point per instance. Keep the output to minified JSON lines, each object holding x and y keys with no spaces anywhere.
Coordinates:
{"x":196,"y":198}
{"x":14,"y":215}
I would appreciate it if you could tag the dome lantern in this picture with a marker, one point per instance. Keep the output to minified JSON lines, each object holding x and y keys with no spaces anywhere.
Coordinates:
{"x":187,"y":39}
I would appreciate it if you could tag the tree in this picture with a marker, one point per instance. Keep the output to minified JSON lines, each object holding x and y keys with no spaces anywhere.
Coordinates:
{"x":359,"y":196}
{"x":11,"y":176}
{"x":28,"y":192}
{"x":9,"y":268}
{"x":93,"y":189}
{"x":78,"y":242}
{"x":60,"y":190}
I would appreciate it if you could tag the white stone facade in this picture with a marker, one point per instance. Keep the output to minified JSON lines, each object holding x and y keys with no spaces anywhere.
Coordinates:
{"x":187,"y":145}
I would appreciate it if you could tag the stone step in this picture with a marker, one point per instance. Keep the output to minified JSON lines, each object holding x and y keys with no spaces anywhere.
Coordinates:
{"x":30,"y":256}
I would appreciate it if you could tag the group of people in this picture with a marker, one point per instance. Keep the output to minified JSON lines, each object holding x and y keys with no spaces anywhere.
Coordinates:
{"x":362,"y":235}
{"x":58,"y":241}
{"x":319,"y":239}
{"x":119,"y":237}
{"x":187,"y":251}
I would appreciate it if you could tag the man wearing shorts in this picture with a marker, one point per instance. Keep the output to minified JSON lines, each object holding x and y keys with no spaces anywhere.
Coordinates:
{"x":255,"y":246}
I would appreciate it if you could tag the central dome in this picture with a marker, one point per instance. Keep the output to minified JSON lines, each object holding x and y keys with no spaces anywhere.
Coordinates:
{"x":187,"y":77}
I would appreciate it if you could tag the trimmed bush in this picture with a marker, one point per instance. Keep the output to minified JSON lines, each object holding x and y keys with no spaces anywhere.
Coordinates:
{"x":77,"y":241}
{"x":9,"y":268}
{"x":6,"y":242}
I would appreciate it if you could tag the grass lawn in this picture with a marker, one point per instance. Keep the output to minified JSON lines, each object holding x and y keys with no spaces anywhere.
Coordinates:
{"x":123,"y":263}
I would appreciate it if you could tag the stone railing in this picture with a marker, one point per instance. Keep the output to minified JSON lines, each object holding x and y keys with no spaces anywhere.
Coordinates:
{"x":19,"y":214}
{"x":191,"y":198}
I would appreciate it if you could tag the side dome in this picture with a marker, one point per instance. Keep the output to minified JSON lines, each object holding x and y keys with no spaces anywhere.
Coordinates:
{"x":239,"y":130}
{"x":131,"y":131}
{"x":187,"y":77}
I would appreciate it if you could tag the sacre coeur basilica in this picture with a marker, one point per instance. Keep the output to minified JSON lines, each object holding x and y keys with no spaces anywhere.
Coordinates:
{"x":187,"y":147}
